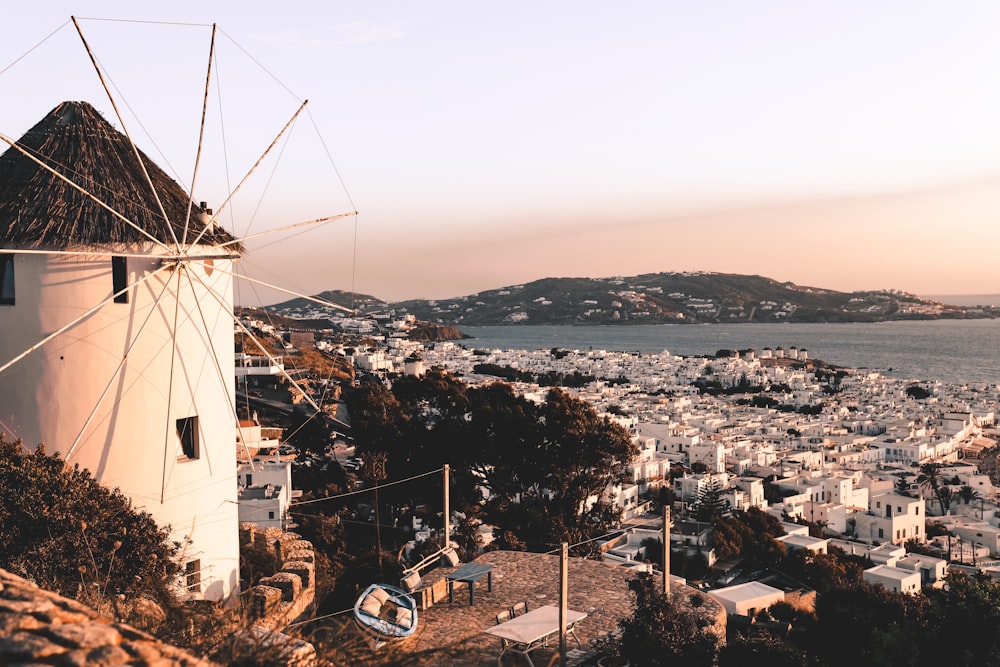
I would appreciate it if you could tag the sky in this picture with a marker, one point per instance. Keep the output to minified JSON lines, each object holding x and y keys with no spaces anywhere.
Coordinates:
{"x":850,"y":145}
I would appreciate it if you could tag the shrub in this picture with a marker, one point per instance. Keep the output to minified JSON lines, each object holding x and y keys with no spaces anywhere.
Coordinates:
{"x":67,"y":533}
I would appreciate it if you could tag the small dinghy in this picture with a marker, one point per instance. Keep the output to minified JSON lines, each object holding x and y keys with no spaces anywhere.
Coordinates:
{"x":385,"y":613}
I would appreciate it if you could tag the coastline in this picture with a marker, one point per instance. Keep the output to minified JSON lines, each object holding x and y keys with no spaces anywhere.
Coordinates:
{"x":956,"y":351}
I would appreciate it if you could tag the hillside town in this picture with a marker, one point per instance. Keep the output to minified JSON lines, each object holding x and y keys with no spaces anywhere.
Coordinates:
{"x":898,"y":475}
{"x":841,"y":457}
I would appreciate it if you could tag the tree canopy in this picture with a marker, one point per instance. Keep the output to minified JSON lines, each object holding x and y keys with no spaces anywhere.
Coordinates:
{"x":749,"y":534}
{"x":664,"y":630}
{"x":543,"y":465}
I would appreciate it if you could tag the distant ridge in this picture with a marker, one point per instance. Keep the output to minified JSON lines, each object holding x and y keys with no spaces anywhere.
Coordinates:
{"x":654,"y":298}
{"x":966,"y":299}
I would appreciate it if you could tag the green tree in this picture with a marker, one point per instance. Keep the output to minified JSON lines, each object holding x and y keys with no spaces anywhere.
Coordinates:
{"x":501,"y":429}
{"x":884,"y":627}
{"x":581,"y":453}
{"x":559,"y":456}
{"x":759,"y":647}
{"x":749,"y":534}
{"x":962,"y":619}
{"x":378,"y":421}
{"x":664,"y":631}
{"x":710,"y":504}
{"x":69,"y":534}
{"x":945,"y":497}
{"x":653,"y":549}
{"x":469,"y":539}
{"x":969,"y":495}
{"x":543,"y":464}
{"x":931,"y":479}
{"x":823,"y":572}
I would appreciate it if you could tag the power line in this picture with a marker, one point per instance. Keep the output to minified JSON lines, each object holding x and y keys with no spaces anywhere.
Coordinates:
{"x":320,"y":618}
{"x":354,"y":493}
{"x":25,"y":54}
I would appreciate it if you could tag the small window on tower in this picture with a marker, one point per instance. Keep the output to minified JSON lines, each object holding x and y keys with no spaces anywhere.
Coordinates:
{"x":6,"y":280}
{"x":119,"y":276}
{"x":192,"y":576}
{"x":187,"y":433}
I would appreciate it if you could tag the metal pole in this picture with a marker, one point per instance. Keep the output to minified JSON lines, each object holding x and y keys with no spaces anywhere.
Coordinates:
{"x":447,"y":509}
{"x":563,"y":588}
{"x":373,"y":465}
{"x":666,"y":550}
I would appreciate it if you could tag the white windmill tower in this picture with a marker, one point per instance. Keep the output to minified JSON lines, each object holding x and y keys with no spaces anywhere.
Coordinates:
{"x":116,"y":303}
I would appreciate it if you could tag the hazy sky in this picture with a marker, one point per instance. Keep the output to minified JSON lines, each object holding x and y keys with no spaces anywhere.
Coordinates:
{"x":848,"y":145}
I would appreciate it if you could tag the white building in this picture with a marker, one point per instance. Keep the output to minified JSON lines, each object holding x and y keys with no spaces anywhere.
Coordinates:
{"x":891,"y":518}
{"x":932,"y":570}
{"x":747,"y":599}
{"x":251,"y":438}
{"x":414,"y":366}
{"x":753,"y":489}
{"x":125,"y":338}
{"x":816,"y":545}
{"x":893,"y":578}
{"x":257,"y":365}
{"x":712,"y":454}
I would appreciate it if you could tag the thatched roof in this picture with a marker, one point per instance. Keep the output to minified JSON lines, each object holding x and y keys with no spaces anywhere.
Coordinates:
{"x":39,"y":210}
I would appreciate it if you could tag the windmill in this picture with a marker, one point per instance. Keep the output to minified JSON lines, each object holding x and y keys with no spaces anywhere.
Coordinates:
{"x":116,"y":303}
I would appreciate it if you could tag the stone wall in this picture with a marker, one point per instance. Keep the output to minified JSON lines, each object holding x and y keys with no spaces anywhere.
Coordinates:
{"x":276,"y":601}
{"x":41,"y":627}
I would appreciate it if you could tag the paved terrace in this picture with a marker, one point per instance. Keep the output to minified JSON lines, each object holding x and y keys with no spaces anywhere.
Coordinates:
{"x":452,"y":633}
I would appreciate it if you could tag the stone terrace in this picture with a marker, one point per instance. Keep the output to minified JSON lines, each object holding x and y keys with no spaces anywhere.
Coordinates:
{"x":452,"y":633}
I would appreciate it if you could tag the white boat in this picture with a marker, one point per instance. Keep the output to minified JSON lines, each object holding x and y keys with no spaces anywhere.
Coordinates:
{"x":385,"y":613}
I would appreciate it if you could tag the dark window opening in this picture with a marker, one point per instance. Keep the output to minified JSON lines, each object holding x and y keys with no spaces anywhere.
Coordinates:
{"x":249,"y":479}
{"x":187,"y":433}
{"x":119,"y":277}
{"x":192,"y":575}
{"x":6,"y":280}
{"x":270,"y":515}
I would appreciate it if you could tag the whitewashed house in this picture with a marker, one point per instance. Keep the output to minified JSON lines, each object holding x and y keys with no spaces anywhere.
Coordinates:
{"x":891,"y":518}
{"x":747,"y":599}
{"x":893,"y":578}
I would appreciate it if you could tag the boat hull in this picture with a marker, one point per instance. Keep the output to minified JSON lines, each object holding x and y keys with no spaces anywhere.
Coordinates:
{"x":395,"y":617}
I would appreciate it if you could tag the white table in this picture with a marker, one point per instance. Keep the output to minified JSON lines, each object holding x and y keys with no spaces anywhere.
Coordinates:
{"x":532,"y":630}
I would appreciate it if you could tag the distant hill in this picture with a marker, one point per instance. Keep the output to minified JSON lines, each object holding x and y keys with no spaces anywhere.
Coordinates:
{"x":655,"y":298}
{"x":353,"y":300}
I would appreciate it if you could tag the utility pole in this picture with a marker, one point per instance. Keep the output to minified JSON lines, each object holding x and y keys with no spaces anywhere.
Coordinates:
{"x":666,"y":550}
{"x":563,"y":605}
{"x":373,"y":464}
{"x":447,"y":508}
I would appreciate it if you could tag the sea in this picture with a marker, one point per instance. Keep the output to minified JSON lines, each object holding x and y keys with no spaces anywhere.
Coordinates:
{"x":951,"y":351}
